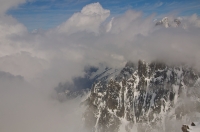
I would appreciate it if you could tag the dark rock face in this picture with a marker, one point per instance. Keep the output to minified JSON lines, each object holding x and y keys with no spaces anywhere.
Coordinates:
{"x":141,"y":93}
{"x":185,"y":128}
{"x":193,"y":124}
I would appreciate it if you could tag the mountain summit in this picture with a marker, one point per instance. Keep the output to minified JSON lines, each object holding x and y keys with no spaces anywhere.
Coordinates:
{"x":166,"y":22}
{"x":146,"y":94}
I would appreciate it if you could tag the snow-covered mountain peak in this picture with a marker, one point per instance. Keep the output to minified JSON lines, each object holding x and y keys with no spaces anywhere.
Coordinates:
{"x":169,"y":22}
{"x":147,"y":94}
{"x":165,"y":22}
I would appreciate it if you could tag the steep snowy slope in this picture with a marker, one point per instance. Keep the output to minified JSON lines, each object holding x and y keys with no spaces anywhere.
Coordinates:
{"x":143,"y":94}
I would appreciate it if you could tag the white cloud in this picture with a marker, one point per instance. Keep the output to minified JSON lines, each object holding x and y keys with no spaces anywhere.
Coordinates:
{"x":195,"y":20}
{"x":23,"y":64}
{"x":89,"y":19}
{"x":86,"y":39}
{"x":75,"y":43}
{"x":26,"y":108}
{"x":7,"y":4}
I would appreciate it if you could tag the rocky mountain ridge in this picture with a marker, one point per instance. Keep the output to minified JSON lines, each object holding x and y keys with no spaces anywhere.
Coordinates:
{"x":166,"y":22}
{"x":143,"y":94}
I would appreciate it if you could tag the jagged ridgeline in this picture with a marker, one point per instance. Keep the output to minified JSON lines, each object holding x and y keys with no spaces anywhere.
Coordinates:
{"x":143,"y":94}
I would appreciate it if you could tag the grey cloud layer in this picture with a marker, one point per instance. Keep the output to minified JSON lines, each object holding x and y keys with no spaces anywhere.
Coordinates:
{"x":87,"y":39}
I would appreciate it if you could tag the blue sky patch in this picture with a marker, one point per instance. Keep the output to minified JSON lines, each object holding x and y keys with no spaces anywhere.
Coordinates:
{"x":46,"y":14}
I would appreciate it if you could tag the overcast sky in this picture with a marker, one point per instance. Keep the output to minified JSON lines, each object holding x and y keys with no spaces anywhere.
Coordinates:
{"x":73,"y":34}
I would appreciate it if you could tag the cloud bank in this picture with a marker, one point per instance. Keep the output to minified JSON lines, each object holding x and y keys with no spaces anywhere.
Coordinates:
{"x":33,"y":63}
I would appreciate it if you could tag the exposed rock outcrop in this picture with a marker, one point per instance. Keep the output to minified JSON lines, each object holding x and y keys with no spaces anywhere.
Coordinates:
{"x":142,"y":93}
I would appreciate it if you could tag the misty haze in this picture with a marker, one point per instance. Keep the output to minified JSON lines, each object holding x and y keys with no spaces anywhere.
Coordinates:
{"x":99,"y":66}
